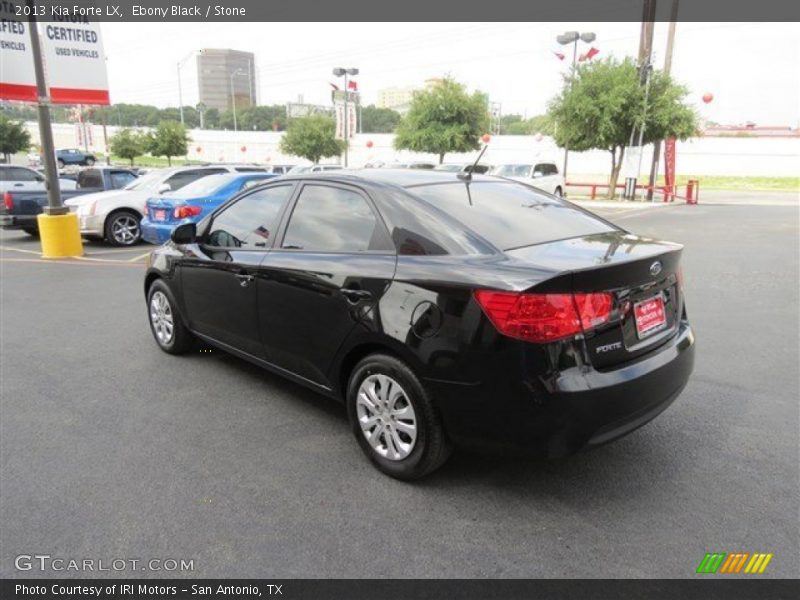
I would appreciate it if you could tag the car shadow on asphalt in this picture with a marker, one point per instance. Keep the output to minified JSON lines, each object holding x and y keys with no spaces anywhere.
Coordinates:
{"x":629,"y":462}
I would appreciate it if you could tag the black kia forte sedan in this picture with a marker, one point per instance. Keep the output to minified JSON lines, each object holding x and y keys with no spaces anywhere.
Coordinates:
{"x":443,"y":310}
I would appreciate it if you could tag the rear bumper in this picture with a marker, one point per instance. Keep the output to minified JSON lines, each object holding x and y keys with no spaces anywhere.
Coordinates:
{"x":19,"y":222}
{"x":156,"y":233}
{"x":578,"y":408}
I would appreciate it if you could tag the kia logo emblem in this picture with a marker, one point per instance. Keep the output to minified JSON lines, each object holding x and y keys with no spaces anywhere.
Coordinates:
{"x":655,"y":268}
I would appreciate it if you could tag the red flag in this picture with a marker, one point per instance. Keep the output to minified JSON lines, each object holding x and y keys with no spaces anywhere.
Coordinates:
{"x":592,"y":53}
{"x":352,"y":85}
{"x":559,"y":55}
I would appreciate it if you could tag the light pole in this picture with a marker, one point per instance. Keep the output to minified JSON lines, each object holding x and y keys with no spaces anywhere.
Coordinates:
{"x":339,"y":72}
{"x":572,"y":37}
{"x":233,"y":97}
{"x":180,"y":89}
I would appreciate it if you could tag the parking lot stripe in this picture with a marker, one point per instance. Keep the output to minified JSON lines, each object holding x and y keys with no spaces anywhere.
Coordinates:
{"x":6,"y":248}
{"x":140,"y":257}
{"x":73,"y":261}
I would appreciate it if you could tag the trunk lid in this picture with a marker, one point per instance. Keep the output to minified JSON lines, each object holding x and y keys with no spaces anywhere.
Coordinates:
{"x":640,"y":273}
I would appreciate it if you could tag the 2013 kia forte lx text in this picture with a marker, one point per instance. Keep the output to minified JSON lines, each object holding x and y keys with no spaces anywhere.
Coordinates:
{"x":443,"y":310}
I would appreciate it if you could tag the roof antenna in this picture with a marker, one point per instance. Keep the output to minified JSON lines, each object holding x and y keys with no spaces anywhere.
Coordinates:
{"x":467,"y":175}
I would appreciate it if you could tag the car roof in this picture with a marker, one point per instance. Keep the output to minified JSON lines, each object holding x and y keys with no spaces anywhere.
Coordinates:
{"x":399,"y":177}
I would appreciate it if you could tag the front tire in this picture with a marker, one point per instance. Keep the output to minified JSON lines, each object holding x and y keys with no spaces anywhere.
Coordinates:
{"x":123,"y":228}
{"x":165,"y":321}
{"x":61,"y":164}
{"x":558,"y":193}
{"x":31,"y":231}
{"x":394,"y":420}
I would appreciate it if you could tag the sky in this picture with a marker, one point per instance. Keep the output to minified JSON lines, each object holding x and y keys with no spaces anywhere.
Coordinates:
{"x":752,"y":69}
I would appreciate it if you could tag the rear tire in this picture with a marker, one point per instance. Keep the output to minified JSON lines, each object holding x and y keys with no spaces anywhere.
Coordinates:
{"x":31,"y":232}
{"x":394,"y":419}
{"x":123,"y":228}
{"x":165,"y":320}
{"x":89,"y":162}
{"x":61,"y":164}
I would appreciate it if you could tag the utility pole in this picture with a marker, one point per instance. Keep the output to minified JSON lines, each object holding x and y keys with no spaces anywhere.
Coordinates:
{"x":645,"y":54}
{"x":54,"y":205}
{"x":673,"y":18}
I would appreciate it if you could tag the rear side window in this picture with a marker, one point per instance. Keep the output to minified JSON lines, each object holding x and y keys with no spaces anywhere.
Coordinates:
{"x":511,"y":215}
{"x":546,"y":169}
{"x":183,"y":178}
{"x":18,"y":174}
{"x":90,"y":178}
{"x":251,"y":222}
{"x":332,"y":219}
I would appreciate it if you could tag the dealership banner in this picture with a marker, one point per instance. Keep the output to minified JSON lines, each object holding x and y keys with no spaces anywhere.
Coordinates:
{"x":17,"y":77}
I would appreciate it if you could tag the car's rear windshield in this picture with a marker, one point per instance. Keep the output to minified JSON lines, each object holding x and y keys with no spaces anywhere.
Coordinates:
{"x":510,"y":215}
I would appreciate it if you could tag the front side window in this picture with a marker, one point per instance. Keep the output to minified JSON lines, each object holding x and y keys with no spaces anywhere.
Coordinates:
{"x":119,"y":179}
{"x":251,"y":222}
{"x":332,"y":219}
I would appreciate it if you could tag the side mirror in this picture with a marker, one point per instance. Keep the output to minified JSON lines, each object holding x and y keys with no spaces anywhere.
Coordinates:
{"x":184,"y":234}
{"x":164,"y":187}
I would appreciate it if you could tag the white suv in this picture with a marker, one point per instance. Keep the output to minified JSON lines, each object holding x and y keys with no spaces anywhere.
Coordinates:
{"x":543,"y":175}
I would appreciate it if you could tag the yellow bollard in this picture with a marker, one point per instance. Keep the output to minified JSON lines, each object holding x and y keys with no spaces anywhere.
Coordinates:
{"x":60,"y":235}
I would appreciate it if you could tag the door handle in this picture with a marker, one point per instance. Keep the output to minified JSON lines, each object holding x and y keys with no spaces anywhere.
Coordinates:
{"x":244,"y":279}
{"x":356,"y":295}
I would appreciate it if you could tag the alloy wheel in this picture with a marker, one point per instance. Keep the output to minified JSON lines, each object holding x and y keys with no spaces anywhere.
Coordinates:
{"x":161,"y":317}
{"x":125,"y":230}
{"x":386,"y":417}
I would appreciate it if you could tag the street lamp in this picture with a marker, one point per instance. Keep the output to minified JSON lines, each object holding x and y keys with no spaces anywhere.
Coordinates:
{"x":233,"y":97}
{"x":339,"y":72}
{"x":180,"y":91}
{"x":566,"y":38}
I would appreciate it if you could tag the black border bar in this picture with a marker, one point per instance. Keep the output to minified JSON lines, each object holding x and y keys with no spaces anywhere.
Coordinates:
{"x":701,"y":588}
{"x":416,"y":10}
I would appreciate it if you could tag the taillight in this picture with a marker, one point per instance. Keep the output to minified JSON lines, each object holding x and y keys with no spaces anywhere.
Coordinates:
{"x":8,"y":201}
{"x":181,"y":212}
{"x":544,"y":317}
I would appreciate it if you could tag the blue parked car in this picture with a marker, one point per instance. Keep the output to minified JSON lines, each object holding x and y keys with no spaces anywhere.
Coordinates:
{"x":73,"y":156}
{"x":192,"y":202}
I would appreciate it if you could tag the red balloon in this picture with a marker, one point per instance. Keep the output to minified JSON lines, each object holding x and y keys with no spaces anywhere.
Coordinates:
{"x":369,"y":144}
{"x":243,"y":148}
{"x":708,"y":97}
{"x":199,"y":149}
{"x":486,"y":138}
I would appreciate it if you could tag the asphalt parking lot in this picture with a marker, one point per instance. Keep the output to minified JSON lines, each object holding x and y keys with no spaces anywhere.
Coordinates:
{"x":113,"y":449}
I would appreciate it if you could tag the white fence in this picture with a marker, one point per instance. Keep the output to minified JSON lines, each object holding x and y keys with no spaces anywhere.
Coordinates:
{"x":725,"y":156}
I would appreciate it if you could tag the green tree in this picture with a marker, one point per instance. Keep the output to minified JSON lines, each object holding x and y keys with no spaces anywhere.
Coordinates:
{"x":600,"y":108}
{"x":379,"y":120}
{"x":169,"y":139}
{"x":13,"y":137}
{"x":263,"y":118}
{"x":312,"y":137}
{"x":443,"y":119}
{"x":128,"y":144}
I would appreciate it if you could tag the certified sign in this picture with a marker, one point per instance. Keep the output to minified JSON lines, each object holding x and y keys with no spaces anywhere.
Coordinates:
{"x":76,"y":63}
{"x":17,"y":78}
